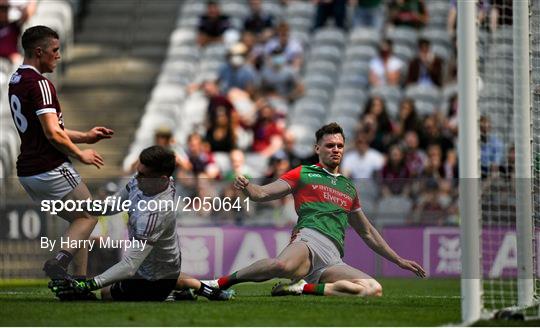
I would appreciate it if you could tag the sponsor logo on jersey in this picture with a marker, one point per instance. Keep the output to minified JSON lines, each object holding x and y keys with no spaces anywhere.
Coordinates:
{"x":15,"y":78}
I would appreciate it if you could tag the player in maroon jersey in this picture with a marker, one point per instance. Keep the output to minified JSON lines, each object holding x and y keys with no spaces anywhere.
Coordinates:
{"x":10,"y":31}
{"x":326,"y":203}
{"x":43,"y":166}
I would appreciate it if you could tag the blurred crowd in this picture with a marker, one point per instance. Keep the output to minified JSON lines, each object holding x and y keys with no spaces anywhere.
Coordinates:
{"x":409,"y":156}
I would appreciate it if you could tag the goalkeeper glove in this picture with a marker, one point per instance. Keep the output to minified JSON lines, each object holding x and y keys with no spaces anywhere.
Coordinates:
{"x":84,"y":286}
{"x":73,"y":290}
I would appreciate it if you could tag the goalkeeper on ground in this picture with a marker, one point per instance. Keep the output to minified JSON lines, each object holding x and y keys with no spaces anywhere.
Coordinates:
{"x":147,"y":271}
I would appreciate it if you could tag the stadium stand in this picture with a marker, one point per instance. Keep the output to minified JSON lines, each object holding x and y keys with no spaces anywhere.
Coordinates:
{"x":334,"y":74}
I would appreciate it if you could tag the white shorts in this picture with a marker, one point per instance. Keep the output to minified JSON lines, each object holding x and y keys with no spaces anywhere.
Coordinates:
{"x":322,"y":251}
{"x":51,"y":185}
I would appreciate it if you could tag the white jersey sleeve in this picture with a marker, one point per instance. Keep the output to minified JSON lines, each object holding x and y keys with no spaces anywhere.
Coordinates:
{"x":126,"y":268}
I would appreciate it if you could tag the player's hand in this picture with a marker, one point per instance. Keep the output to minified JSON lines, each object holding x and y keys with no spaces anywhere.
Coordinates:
{"x":70,"y":289}
{"x":240,"y":182}
{"x":91,"y":157}
{"x":413,"y":267}
{"x":97,"y":133}
{"x":83,"y":286}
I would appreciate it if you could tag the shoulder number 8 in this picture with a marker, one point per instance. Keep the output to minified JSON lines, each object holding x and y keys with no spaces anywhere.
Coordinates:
{"x":18,"y":117}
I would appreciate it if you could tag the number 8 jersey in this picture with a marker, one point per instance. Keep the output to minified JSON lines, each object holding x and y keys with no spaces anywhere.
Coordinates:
{"x":30,"y":95}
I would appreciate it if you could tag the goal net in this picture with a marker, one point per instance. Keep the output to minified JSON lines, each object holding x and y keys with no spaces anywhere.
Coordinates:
{"x":508,"y":114}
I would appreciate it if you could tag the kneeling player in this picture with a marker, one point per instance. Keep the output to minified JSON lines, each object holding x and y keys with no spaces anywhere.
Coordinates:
{"x":326,"y":202}
{"x":149,"y":269}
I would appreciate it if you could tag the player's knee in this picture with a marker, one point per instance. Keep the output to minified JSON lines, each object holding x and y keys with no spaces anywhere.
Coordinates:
{"x":277,"y":266}
{"x":369,"y":287}
{"x":281,"y":268}
{"x":376,"y":288}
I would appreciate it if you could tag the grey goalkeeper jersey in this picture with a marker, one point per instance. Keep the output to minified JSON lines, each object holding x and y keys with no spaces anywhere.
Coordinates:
{"x":157,"y":227}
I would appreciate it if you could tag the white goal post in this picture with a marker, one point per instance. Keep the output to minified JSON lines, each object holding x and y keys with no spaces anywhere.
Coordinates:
{"x":487,"y":216}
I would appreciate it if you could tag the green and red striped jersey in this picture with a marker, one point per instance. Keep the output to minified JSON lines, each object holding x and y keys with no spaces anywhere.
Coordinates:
{"x":322,"y":200}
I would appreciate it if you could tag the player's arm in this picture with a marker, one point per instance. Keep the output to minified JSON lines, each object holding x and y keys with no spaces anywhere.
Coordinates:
{"x":89,"y":137}
{"x":27,"y":11}
{"x":125,"y":269}
{"x":375,"y":241}
{"x":61,"y":141}
{"x":268,"y":192}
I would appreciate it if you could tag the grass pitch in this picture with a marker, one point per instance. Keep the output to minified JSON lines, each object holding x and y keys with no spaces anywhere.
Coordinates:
{"x":427,"y":302}
{"x":406,"y":302}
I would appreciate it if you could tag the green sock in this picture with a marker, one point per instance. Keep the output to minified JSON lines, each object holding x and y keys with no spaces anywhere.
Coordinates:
{"x":314,"y":289}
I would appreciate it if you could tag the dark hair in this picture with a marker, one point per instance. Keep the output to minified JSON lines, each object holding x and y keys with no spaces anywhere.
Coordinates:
{"x":158,"y":159}
{"x":383,"y":120}
{"x":37,"y":36}
{"x":412,"y":122}
{"x":331,"y":128}
{"x":423,"y":41}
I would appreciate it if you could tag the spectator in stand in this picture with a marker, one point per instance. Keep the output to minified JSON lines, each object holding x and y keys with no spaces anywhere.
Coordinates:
{"x":452,"y":119}
{"x":412,"y":13}
{"x":201,"y":160}
{"x":258,"y":22}
{"x":369,"y":127}
{"x":450,"y":73}
{"x":282,"y":210}
{"x":267,"y":132}
{"x":508,"y":170}
{"x":238,"y":167}
{"x":10,"y":31}
{"x":278,"y":165}
{"x":289,"y":140}
{"x":163,"y":136}
{"x":482,"y":12}
{"x":385,"y":69}
{"x":294,"y":53}
{"x":255,"y":50}
{"x":395,"y":174}
{"x":415,"y":158}
{"x":331,"y":8}
{"x":221,"y":131}
{"x":432,"y":134}
{"x":382,"y":138}
{"x":222,"y":122}
{"x":369,"y":13}
{"x":407,"y":119}
{"x":212,"y":25}
{"x":200,"y":174}
{"x":236,"y":73}
{"x":363,"y":162}
{"x":430,"y":208}
{"x":281,"y":77}
{"x":274,"y":98}
{"x":432,"y":173}
{"x":500,"y":14}
{"x":451,"y":167}
{"x":491,"y":148}
{"x":215,"y":98}
{"x":426,"y":68}
{"x":433,"y":170}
